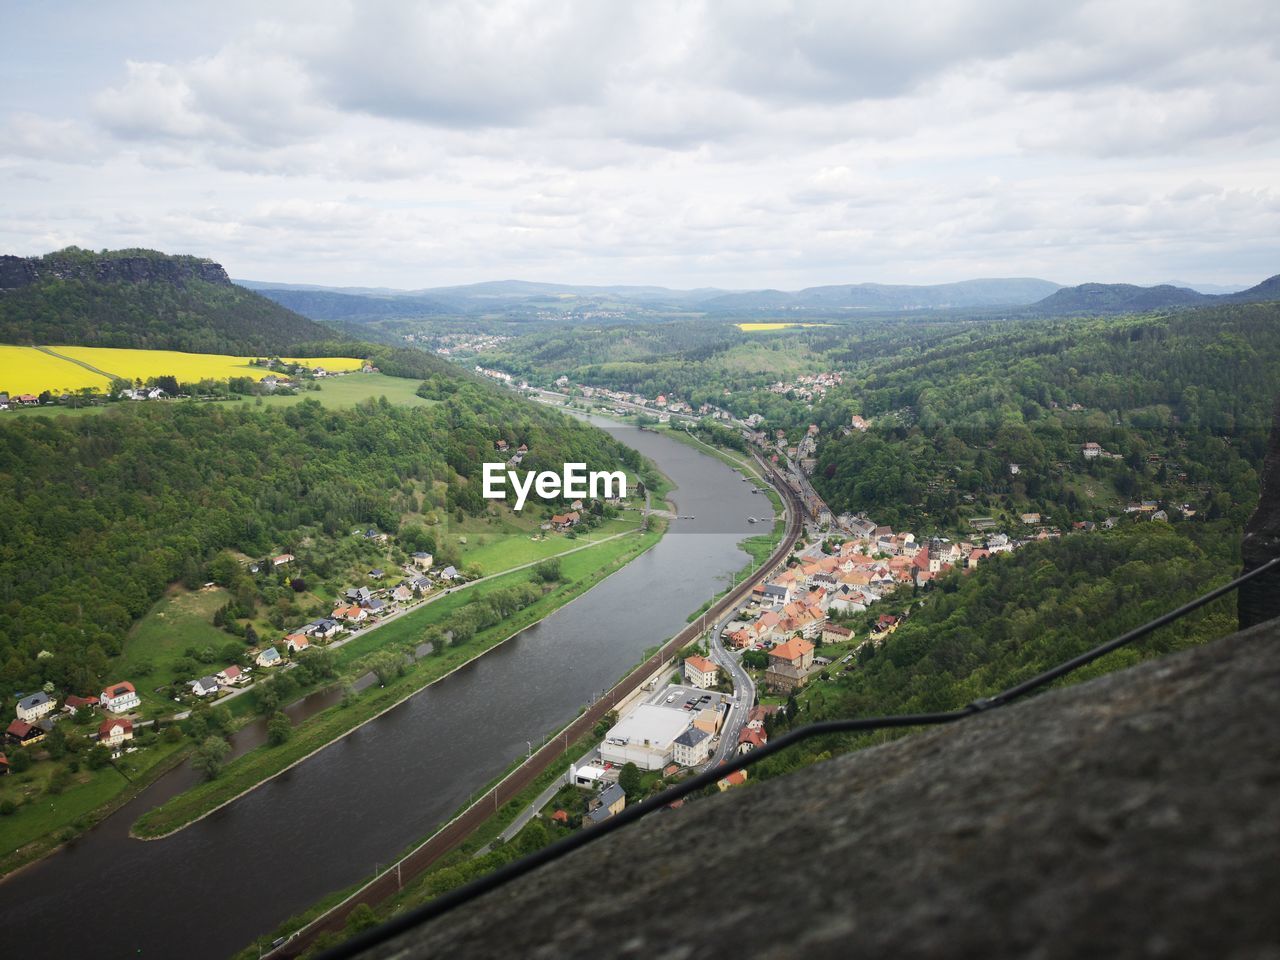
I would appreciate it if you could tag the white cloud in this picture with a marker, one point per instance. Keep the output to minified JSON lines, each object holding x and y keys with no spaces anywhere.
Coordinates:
{"x":746,"y":143}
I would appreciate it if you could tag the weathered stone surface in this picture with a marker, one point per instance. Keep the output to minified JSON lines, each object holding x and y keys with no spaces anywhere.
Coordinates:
{"x":16,"y":272}
{"x":1260,"y":598}
{"x":1137,"y":815}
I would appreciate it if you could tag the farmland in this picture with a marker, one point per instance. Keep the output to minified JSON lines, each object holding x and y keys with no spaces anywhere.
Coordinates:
{"x":58,"y":369}
{"x":765,"y":327}
{"x":187,"y":367}
{"x":29,"y":370}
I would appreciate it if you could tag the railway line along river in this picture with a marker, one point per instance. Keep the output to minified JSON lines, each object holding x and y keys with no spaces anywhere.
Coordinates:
{"x":208,"y":890}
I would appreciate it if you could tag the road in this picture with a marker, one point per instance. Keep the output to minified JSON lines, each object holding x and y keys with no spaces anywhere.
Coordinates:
{"x":744,"y":691}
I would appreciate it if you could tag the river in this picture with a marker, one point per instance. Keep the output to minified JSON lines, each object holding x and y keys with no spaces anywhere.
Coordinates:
{"x":210,"y":889}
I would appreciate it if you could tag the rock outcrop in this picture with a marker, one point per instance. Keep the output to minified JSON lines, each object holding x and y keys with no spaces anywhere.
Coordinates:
{"x":1137,"y":815}
{"x":124,"y":267}
{"x":1260,"y":598}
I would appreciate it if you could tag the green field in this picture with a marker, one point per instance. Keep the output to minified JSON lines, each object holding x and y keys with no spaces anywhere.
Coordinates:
{"x":493,"y":553}
{"x":182,"y":619}
{"x":336,"y":392}
{"x":39,"y":824}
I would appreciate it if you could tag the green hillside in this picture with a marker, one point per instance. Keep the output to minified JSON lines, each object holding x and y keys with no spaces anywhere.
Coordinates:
{"x":143,"y":299}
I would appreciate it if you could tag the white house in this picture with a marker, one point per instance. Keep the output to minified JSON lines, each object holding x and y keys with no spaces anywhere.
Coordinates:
{"x":692,"y":747}
{"x":701,"y":672}
{"x":269,"y":657}
{"x":32,"y":708}
{"x":113,"y":732}
{"x":119,"y":697}
{"x":205,"y":687}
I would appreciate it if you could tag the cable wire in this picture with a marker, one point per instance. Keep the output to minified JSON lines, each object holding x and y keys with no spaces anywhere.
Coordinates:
{"x":455,"y":898}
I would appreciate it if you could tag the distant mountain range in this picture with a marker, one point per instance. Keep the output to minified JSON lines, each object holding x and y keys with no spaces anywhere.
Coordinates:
{"x":515,"y":299}
{"x":1126,"y":298}
{"x":508,"y":297}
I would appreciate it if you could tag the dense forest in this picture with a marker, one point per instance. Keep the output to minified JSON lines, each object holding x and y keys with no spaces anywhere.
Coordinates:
{"x":147,"y":300}
{"x":1179,"y":404}
{"x":103,"y":512}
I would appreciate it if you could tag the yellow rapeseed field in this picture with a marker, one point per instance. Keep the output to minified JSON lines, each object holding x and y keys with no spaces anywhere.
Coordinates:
{"x":187,"y":367}
{"x":754,"y":327}
{"x":31,"y":370}
{"x":28,"y":370}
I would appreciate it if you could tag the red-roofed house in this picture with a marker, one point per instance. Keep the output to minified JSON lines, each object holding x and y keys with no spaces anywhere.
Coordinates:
{"x":749,"y":740}
{"x":74,"y":703}
{"x":119,"y":697}
{"x":296,"y":642}
{"x":735,"y":779}
{"x":23,"y":733}
{"x":701,"y":672}
{"x":114,"y":731}
{"x":789,"y":665}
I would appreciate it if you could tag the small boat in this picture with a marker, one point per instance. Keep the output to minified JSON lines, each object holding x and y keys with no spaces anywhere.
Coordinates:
{"x":751,"y":520}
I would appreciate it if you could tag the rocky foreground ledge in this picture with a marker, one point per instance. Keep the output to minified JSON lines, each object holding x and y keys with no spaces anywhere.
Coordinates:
{"x":1137,"y":815}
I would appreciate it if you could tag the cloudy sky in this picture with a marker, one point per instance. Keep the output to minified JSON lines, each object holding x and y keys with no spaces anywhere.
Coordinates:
{"x":738,"y":144}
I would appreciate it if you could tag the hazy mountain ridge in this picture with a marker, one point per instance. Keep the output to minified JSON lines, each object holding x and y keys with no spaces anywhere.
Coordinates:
{"x":335,"y":303}
{"x":1126,"y":297}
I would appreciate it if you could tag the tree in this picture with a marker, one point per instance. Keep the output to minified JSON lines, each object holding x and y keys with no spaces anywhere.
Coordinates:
{"x":279,"y":729}
{"x":361,"y":918}
{"x":548,"y":571}
{"x":629,"y":778}
{"x":209,"y":757}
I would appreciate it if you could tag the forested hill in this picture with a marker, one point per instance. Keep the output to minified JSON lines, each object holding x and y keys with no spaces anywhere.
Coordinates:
{"x":143,"y":299}
{"x":1179,"y":404}
{"x":102,"y":513}
{"x":1127,"y":298}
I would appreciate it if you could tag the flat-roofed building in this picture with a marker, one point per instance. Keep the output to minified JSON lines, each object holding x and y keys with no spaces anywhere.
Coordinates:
{"x":645,"y":737}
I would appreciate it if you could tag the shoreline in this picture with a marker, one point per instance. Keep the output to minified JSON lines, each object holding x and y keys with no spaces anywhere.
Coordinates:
{"x":135,"y":834}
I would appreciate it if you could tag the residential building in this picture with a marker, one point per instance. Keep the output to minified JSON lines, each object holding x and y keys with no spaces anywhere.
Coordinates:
{"x":423,"y":561}
{"x":735,"y":779}
{"x":692,"y":747}
{"x":205,"y":687}
{"x":24,"y":734}
{"x":114,"y":731}
{"x":834,"y":633}
{"x":789,"y":665}
{"x":701,"y":672}
{"x":282,"y":559}
{"x":34,"y":707}
{"x":611,"y":801}
{"x":73,"y":704}
{"x":296,"y":642}
{"x":269,"y":657}
{"x":232,"y":675}
{"x":119,"y":697}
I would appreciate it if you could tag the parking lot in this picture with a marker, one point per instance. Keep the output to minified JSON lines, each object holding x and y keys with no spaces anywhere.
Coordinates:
{"x":680,"y":696}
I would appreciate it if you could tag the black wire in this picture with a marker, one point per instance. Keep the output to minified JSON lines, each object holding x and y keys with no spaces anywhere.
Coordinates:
{"x":449,"y":901}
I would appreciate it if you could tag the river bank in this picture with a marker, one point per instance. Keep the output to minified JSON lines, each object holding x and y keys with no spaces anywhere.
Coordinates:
{"x":437,"y":853}
{"x":327,"y":823}
{"x":266,"y":762}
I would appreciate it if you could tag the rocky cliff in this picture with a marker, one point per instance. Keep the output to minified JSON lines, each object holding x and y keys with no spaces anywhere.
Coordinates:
{"x":124,"y":266}
{"x":1136,"y":815}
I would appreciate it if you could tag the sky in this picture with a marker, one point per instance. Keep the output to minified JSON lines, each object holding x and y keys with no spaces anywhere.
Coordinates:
{"x":740,"y":144}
